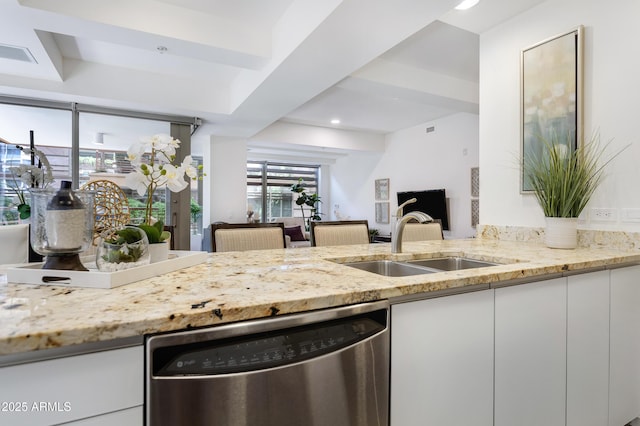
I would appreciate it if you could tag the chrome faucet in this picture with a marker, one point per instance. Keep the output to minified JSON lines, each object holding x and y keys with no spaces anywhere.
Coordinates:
{"x":396,"y":238}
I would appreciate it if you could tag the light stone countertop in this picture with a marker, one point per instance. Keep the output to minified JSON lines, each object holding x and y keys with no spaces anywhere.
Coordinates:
{"x":236,"y":286}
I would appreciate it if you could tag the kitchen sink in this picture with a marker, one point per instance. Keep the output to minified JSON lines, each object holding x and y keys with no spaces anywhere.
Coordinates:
{"x":451,"y":263}
{"x":390,"y":268}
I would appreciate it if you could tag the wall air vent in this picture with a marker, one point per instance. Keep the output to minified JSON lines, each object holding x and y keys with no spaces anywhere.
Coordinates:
{"x":16,"y":53}
{"x":431,"y":129}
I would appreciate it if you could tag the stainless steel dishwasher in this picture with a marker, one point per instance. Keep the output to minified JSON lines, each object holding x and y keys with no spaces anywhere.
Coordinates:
{"x":326,"y":367}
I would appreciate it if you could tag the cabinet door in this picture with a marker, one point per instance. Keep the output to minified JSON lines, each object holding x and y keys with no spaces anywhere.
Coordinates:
{"x":624,"y":397}
{"x":442,"y":361}
{"x":129,"y":417}
{"x":77,"y":387}
{"x":588,"y":349}
{"x":530,"y":354}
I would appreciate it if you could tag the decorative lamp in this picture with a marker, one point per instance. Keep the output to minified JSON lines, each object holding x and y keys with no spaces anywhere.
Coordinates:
{"x":61,"y":226}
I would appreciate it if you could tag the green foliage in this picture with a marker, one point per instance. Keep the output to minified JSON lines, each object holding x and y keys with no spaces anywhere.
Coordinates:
{"x":563,"y":181}
{"x":304,"y":199}
{"x":196,"y":210}
{"x":126,"y":235}
{"x":127,"y":249}
{"x":25,"y":211}
{"x":8,"y":214}
{"x":155,"y":233}
{"x":137,"y":210}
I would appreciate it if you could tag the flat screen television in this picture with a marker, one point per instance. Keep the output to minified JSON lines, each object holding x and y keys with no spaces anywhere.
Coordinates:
{"x":432,"y":202}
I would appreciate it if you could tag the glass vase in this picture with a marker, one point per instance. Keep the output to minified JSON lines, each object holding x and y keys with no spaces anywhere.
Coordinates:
{"x":61,"y":225}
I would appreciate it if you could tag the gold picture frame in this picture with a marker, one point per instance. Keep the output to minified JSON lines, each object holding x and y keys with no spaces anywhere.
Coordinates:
{"x":551,"y":95}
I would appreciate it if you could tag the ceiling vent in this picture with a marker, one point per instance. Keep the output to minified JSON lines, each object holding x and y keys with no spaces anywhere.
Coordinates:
{"x":16,"y":53}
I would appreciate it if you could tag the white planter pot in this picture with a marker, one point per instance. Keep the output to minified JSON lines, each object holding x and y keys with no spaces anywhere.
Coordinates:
{"x":159,"y":251}
{"x":561,"y":232}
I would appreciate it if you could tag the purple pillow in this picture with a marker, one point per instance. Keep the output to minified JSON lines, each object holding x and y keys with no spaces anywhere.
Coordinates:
{"x":295,"y":232}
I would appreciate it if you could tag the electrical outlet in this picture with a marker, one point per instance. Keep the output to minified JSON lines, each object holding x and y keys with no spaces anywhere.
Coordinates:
{"x":631,"y":215}
{"x":604,"y":215}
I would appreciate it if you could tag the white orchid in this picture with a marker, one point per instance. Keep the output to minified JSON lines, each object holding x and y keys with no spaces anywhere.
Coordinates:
{"x":135,"y":153}
{"x":174,"y":177}
{"x":29,"y":176}
{"x":190,"y":171}
{"x":160,"y":170}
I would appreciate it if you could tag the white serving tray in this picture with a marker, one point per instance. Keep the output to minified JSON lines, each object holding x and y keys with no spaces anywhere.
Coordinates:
{"x":34,"y":274}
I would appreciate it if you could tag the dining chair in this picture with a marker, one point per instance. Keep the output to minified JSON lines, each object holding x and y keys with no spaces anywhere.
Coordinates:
{"x":247,"y":236}
{"x":423,"y":231}
{"x":14,"y":243}
{"x":338,"y":233}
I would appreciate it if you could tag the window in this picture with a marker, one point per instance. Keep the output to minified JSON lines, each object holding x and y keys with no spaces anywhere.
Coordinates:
{"x":96,"y":145}
{"x":269,"y":189}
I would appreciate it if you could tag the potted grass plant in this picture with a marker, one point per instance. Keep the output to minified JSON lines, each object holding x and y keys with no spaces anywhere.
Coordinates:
{"x":563,"y":181}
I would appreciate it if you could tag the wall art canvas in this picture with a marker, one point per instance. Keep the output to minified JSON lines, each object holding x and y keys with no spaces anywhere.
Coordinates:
{"x":382,"y":189}
{"x":382,"y":212}
{"x":551,"y":95}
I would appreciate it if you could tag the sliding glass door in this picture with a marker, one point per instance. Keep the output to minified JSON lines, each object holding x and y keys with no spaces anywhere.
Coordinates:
{"x":269,"y":192}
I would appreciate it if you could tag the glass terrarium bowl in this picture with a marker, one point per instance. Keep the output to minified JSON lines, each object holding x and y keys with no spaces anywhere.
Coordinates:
{"x":61,"y":225}
{"x":124,"y":248}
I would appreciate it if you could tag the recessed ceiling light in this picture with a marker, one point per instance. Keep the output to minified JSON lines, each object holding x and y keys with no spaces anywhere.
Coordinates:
{"x":335,"y":121}
{"x":467,"y":4}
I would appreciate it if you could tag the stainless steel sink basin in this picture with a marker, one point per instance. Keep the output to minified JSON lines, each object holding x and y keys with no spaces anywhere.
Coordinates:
{"x":389,"y":268}
{"x":451,"y":263}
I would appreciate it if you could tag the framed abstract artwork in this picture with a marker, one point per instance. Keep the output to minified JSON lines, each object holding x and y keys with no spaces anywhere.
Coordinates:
{"x":382,"y":189}
{"x":551,"y":79}
{"x":382,"y":212}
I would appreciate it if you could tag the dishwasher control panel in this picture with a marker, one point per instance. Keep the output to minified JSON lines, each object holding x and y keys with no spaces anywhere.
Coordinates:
{"x":264,"y":350}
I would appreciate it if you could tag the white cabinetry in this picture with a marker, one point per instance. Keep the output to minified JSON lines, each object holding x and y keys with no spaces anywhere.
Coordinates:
{"x":442,"y":361}
{"x":624,"y":397}
{"x":588,"y":349}
{"x":88,"y":386}
{"x":530,"y":354}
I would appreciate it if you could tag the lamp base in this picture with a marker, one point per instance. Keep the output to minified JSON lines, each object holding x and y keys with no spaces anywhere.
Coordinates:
{"x":65,"y":262}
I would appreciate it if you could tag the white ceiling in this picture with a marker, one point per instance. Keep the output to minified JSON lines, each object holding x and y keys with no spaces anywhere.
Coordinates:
{"x":241,"y":65}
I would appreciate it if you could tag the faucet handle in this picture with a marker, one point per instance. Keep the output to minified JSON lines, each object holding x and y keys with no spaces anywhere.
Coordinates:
{"x":401,"y":206}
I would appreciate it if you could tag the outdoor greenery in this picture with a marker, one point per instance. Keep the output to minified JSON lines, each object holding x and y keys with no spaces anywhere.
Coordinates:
{"x":137,"y":209}
{"x":196,"y":213}
{"x":196,"y":210}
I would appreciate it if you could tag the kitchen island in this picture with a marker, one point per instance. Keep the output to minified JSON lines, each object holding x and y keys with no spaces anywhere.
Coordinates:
{"x":237,"y":286}
{"x":557,"y":320}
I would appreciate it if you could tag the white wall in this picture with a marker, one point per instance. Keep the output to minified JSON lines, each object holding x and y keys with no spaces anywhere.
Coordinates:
{"x":413,"y":160}
{"x":225,"y":187}
{"x":610,"y":99}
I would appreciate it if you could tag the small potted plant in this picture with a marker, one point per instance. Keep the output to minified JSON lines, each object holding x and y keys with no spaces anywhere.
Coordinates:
{"x":305,"y":199}
{"x":563,"y":182}
{"x":373,"y":233}
{"x":122,"y":249}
